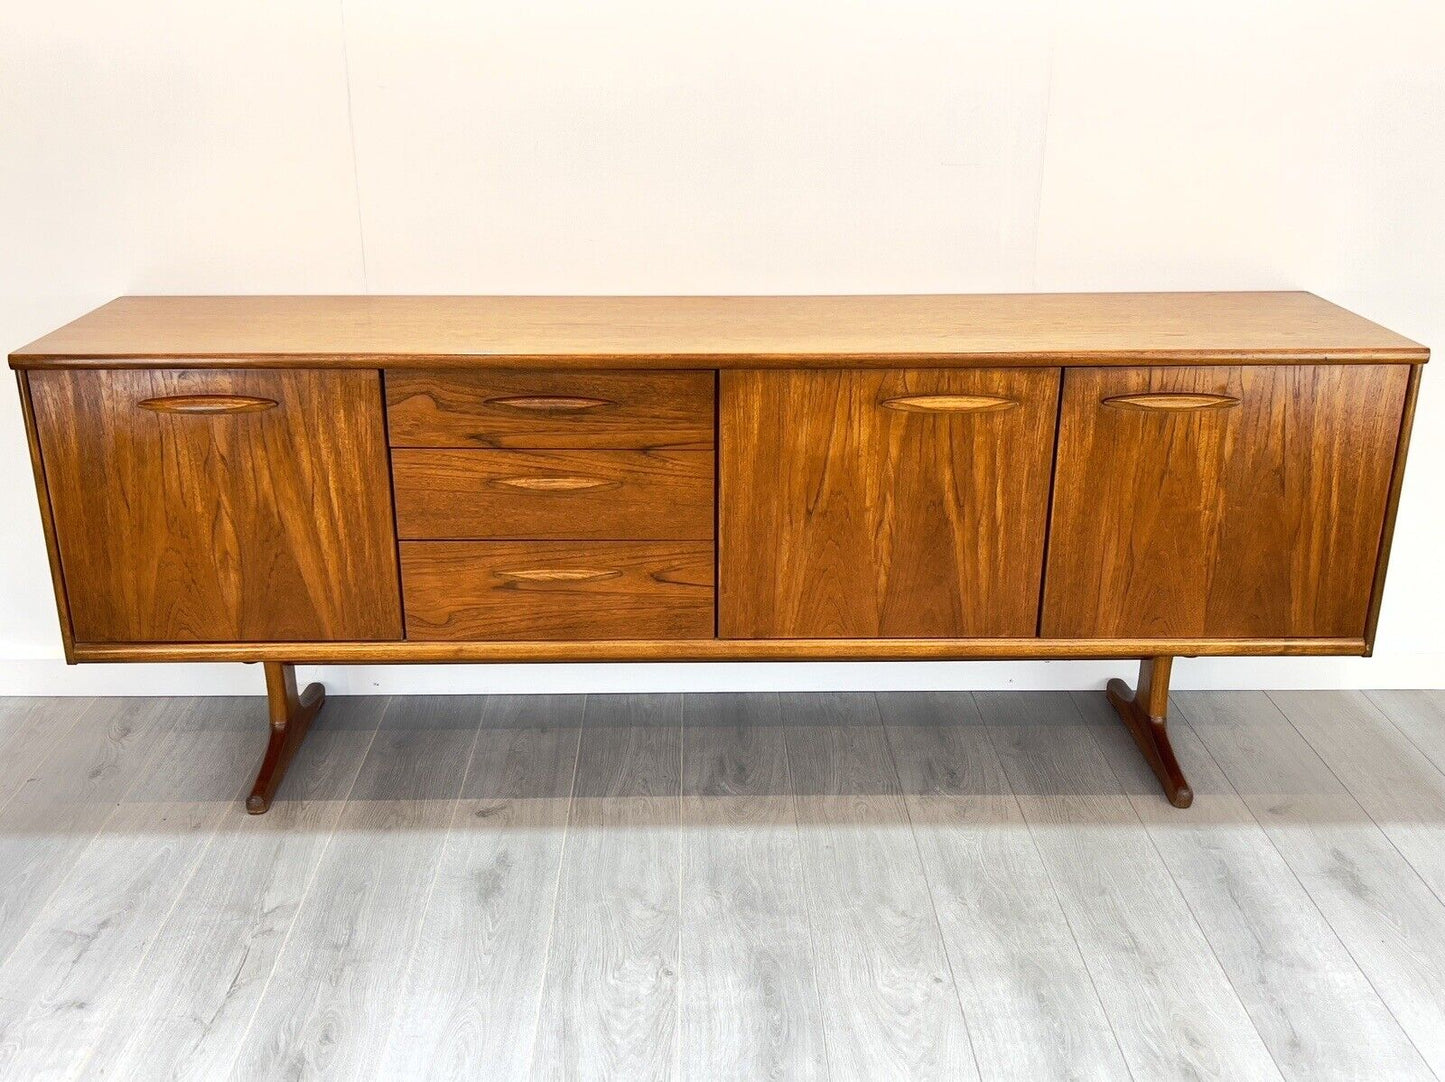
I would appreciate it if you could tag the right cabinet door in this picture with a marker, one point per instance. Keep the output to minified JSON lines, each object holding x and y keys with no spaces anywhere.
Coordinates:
{"x":1220,"y":502}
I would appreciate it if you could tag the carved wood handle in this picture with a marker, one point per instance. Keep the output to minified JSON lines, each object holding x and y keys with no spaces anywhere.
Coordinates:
{"x":1171,"y":402}
{"x":207,"y":403}
{"x":549,"y":403}
{"x":555,"y":484}
{"x":949,"y":403}
{"x":560,"y":574}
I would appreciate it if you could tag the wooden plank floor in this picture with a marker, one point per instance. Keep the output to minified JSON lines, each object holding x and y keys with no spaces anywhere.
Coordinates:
{"x":900,"y":886}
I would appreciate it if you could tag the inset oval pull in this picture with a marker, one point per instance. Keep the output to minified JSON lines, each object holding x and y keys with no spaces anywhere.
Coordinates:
{"x":949,"y":403}
{"x":1172,"y":401}
{"x":549,"y":403}
{"x":556,"y":484}
{"x":560,"y":574}
{"x":207,"y":403}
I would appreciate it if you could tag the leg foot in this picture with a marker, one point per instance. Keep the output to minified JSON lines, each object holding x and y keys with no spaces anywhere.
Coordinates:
{"x":291,"y":716}
{"x":1145,"y":711}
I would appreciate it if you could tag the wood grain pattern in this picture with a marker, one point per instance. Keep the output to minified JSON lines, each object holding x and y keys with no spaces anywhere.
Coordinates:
{"x":1388,"y":918}
{"x":709,"y":332}
{"x":473,"y":989}
{"x":709,"y":649}
{"x":255,"y":526}
{"x":47,"y":516}
{"x":559,"y":495}
{"x":750,"y":1005}
{"x":333,"y":991}
{"x":839,"y":518}
{"x":1261,"y":520}
{"x":1392,"y":507}
{"x":57,"y":985}
{"x":1393,"y":780}
{"x":1260,"y":921}
{"x":1030,"y":1003}
{"x":1173,"y":1010}
{"x":609,"y":1006}
{"x":61,"y":807}
{"x":890,"y":1008}
{"x":236,"y":913}
{"x":627,"y":410}
{"x":557,"y":589}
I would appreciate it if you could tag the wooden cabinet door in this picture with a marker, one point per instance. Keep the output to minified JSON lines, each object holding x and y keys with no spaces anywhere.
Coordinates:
{"x":883,"y":503}
{"x":228,"y":506}
{"x":1220,"y":502}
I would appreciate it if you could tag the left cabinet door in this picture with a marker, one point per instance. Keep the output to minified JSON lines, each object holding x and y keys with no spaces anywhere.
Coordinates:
{"x":220,"y":505}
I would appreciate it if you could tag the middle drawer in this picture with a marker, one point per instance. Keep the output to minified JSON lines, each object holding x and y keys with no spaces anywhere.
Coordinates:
{"x":561,"y":495}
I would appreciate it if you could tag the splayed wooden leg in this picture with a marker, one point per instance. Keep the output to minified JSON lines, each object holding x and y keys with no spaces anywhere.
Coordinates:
{"x":291,"y":717}
{"x":1145,"y":711}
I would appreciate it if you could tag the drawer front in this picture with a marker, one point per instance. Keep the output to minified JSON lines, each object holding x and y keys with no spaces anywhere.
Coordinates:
{"x":220,"y":505}
{"x":555,"y":495}
{"x":1220,"y":502}
{"x":501,"y":590}
{"x":537,"y":409}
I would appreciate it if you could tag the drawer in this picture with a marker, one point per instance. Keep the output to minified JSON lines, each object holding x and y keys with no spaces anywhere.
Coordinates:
{"x":549,"y":409}
{"x":557,"y":495}
{"x":500,"y":590}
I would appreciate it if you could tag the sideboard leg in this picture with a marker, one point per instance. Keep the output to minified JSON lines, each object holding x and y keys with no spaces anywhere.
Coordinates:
{"x":1144,"y":711}
{"x":291,"y":716}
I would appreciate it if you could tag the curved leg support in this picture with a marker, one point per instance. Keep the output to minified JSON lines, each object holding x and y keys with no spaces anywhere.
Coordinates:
{"x":1145,"y":711}
{"x":291,"y":717}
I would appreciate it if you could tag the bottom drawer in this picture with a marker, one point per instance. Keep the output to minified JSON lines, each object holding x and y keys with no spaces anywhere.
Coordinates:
{"x":456,"y":590}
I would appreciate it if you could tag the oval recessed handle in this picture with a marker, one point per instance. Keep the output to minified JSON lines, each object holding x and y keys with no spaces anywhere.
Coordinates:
{"x":549,"y":403}
{"x":560,"y":574}
{"x":1171,"y":402}
{"x":556,"y":484}
{"x":207,"y":403}
{"x":949,"y":403}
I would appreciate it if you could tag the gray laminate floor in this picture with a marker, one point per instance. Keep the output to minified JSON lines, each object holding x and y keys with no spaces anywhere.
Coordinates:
{"x":900,"y":886}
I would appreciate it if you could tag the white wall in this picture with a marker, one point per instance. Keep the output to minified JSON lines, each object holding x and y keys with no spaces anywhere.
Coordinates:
{"x":724,"y":146}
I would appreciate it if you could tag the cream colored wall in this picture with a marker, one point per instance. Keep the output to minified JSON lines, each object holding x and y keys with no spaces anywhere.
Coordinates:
{"x":724,"y":147}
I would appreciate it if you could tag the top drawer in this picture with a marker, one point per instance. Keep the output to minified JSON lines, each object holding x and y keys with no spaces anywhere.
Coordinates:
{"x":541,"y":409}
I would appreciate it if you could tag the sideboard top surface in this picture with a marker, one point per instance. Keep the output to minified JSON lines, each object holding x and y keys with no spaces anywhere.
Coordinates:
{"x":720,"y":332}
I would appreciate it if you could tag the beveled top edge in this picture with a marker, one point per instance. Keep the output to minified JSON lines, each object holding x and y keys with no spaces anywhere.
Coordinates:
{"x":714,"y":331}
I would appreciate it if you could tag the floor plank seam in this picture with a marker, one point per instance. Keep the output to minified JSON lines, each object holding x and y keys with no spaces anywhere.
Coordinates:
{"x":1426,"y":752}
{"x":305,"y":893}
{"x":1183,"y":711}
{"x":150,"y":753}
{"x":807,"y":891}
{"x":1357,"y":802}
{"x":55,"y":742}
{"x":927,"y":885}
{"x":557,"y":888}
{"x":1183,"y":894}
{"x":385,"y":1046}
{"x":239,"y":794}
{"x":1053,"y":886}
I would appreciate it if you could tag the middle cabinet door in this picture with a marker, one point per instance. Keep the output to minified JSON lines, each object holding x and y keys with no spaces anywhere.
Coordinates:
{"x":883,"y":504}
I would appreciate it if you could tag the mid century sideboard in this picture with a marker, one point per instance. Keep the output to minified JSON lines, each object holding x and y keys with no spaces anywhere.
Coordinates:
{"x":391,"y":479}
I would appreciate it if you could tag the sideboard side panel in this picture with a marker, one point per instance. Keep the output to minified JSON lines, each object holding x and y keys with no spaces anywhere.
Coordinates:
{"x":1220,"y":502}
{"x":255,"y":523}
{"x":862,"y":504}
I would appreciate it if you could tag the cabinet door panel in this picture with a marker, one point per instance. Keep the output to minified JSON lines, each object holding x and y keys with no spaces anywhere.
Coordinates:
{"x":883,"y":504}
{"x":1220,"y":502}
{"x":227,"y":506}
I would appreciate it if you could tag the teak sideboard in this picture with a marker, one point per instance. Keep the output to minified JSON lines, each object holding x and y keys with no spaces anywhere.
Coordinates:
{"x":390,"y":479}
